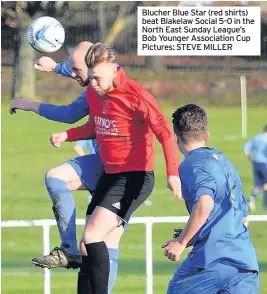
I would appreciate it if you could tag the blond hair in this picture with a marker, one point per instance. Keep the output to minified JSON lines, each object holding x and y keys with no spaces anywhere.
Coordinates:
{"x":99,"y":53}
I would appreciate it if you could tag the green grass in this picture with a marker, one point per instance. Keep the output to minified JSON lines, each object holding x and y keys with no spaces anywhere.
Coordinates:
{"x":27,"y":154}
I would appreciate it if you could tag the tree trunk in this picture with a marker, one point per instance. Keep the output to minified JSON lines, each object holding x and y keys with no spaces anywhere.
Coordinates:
{"x":25,"y":84}
{"x":26,"y":79}
{"x":122,"y":22}
{"x":102,"y":21}
{"x":15,"y":73}
{"x":155,"y":63}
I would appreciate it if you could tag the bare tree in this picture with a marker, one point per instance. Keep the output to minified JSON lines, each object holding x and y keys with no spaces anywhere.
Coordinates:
{"x":19,"y":15}
{"x":102,"y":20}
{"x":124,"y":20}
{"x":24,"y":78}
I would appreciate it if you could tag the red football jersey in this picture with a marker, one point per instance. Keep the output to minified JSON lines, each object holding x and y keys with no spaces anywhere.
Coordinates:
{"x":124,"y":123}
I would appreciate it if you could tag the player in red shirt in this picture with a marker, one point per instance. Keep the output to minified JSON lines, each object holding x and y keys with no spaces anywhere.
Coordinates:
{"x":124,"y":119}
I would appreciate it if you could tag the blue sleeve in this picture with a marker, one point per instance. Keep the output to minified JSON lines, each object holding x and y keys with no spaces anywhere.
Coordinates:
{"x":64,"y":68}
{"x":66,"y":113}
{"x":198,"y":181}
{"x":89,"y":145}
{"x":82,"y":143}
{"x":248,"y":146}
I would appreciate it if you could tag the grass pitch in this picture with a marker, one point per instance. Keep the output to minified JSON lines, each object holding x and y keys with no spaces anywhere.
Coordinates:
{"x":27,"y":154}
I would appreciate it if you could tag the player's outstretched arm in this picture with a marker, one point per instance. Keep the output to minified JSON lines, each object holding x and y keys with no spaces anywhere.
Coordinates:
{"x":70,"y":113}
{"x":23,"y":104}
{"x":86,"y":131}
{"x":161,"y":128}
{"x":202,"y":186}
{"x":47,"y":64}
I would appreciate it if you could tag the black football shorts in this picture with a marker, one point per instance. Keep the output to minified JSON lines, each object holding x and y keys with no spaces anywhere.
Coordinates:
{"x":122,"y":193}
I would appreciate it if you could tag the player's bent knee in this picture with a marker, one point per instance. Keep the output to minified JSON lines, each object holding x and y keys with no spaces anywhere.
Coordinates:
{"x":65,"y":173}
{"x":48,"y":174}
{"x":52,"y":173}
{"x":265,"y":187}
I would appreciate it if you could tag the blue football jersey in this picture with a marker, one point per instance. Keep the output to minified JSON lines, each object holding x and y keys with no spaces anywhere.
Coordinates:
{"x":257,"y":147}
{"x":90,"y":145}
{"x":223,"y":238}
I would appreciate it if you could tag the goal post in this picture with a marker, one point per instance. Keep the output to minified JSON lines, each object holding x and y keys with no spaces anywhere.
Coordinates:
{"x":243,"y":96}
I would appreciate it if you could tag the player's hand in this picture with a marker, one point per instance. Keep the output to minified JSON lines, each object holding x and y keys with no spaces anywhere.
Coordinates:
{"x":174,"y":184}
{"x":173,"y":249}
{"x":57,"y":139}
{"x":21,"y":104}
{"x":176,"y":235}
{"x":45,"y":63}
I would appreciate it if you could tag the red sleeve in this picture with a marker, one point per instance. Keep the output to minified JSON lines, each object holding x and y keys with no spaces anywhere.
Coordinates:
{"x":148,"y":107}
{"x":87,"y":131}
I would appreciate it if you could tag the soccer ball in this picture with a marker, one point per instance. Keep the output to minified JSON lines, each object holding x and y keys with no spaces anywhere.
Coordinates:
{"x":46,"y":34}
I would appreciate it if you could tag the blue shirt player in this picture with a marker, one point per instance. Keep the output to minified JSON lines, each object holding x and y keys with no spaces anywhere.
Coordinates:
{"x":256,"y":150}
{"x":223,"y":259}
{"x":88,"y":168}
{"x":83,"y":147}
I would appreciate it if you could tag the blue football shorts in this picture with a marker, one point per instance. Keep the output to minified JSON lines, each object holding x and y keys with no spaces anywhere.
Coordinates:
{"x":89,"y":168}
{"x":217,"y":279}
{"x":259,"y":173}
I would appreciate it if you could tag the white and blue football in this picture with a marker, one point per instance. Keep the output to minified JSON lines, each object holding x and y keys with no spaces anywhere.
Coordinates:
{"x":46,"y":34}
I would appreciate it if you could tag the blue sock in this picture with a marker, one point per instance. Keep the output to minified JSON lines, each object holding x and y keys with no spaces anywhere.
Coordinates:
{"x":65,"y":213}
{"x":113,"y":260}
{"x":255,"y":192}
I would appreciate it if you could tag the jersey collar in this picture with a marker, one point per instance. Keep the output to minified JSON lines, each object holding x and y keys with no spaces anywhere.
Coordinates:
{"x":120,"y":77}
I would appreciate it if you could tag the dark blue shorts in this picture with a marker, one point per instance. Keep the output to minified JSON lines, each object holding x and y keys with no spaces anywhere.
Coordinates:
{"x":89,"y":168}
{"x":259,"y":173}
{"x":217,"y":279}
